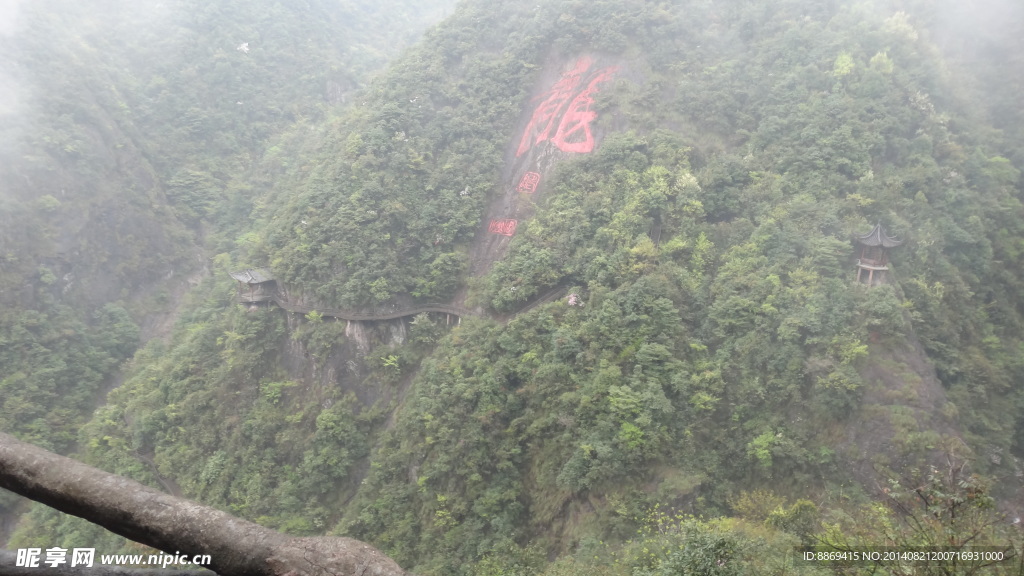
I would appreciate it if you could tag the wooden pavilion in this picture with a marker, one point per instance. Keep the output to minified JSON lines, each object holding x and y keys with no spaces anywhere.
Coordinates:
{"x":874,"y":257}
{"x":255,"y":285}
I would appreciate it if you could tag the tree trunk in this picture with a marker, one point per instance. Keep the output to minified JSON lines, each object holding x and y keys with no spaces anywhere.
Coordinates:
{"x":176,"y":525}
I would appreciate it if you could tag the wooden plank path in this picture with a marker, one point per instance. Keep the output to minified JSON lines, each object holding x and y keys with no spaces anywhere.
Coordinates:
{"x":543,"y":299}
{"x":273,"y":295}
{"x":381,"y":315}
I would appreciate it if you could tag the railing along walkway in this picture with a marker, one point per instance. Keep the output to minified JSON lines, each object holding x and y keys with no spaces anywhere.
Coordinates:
{"x":382,"y":315}
{"x":544,"y":299}
{"x":392,"y":314}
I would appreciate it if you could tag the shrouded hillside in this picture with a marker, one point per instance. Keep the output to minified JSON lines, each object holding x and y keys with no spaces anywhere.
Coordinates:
{"x":125,"y":121}
{"x":131,"y":131}
{"x":85,"y":228}
{"x":131,"y":135}
{"x":692,"y":176}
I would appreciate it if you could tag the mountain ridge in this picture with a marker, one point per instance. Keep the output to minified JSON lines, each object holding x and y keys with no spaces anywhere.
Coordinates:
{"x":731,"y":367}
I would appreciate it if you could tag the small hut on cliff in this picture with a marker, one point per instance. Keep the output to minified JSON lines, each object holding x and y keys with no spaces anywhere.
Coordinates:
{"x":874,"y":255}
{"x":255,"y":285}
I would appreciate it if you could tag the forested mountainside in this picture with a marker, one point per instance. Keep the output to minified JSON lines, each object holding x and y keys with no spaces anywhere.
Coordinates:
{"x":132,"y":136}
{"x":650,"y":209}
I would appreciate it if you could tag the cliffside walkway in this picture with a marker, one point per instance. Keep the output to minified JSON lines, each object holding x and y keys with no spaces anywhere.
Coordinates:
{"x":259,"y":286}
{"x":543,"y":299}
{"x":377,"y":315}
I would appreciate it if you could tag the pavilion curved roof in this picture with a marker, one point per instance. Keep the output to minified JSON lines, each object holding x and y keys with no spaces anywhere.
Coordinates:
{"x":252,"y":276}
{"x":877,"y":237}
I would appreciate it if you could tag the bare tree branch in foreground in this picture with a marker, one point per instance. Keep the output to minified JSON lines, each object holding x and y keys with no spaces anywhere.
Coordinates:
{"x":143,"y":514}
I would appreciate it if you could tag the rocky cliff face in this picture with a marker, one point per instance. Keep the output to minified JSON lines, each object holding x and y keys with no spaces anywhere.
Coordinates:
{"x":560,"y":122}
{"x":346,"y":366}
{"x":912,"y":422}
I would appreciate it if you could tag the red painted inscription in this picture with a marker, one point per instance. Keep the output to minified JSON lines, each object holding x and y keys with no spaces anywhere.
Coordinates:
{"x":564,"y":116}
{"x":529,"y":183}
{"x":505,"y":227}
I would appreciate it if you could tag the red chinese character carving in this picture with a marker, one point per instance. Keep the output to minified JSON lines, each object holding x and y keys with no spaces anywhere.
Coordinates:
{"x":571,"y":110}
{"x":578,"y":117}
{"x":529,"y":183}
{"x":544,"y":116}
{"x":505,"y":227}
